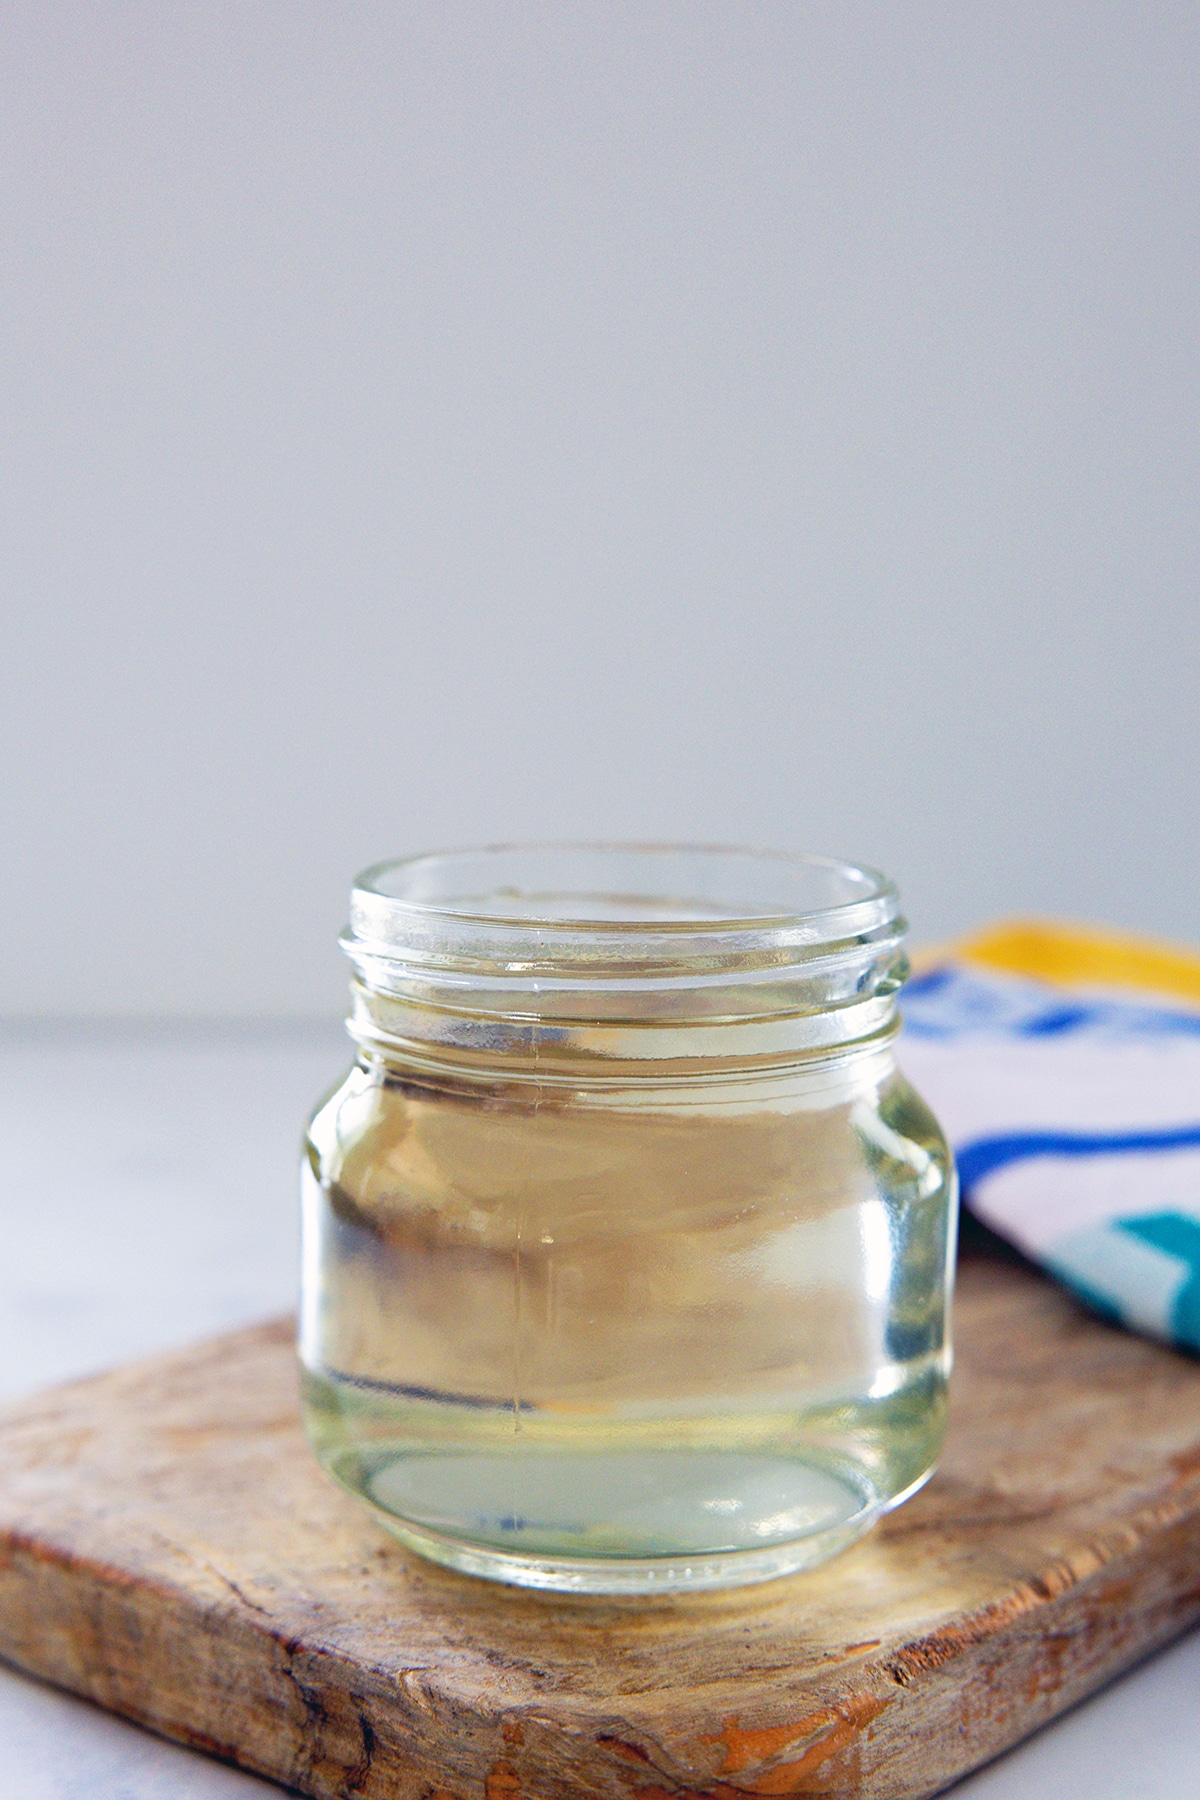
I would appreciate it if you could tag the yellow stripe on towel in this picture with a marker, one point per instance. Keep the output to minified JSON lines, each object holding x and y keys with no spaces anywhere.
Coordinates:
{"x":1083,"y":956}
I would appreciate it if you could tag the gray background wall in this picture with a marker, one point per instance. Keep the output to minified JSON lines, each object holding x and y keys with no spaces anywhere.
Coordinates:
{"x":431,"y":423}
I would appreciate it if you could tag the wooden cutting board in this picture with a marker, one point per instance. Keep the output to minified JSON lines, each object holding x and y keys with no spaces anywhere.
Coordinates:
{"x":169,"y":1548}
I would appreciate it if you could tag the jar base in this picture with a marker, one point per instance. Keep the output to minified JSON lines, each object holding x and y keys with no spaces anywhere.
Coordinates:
{"x":520,"y":1501}
{"x":682,"y":1573}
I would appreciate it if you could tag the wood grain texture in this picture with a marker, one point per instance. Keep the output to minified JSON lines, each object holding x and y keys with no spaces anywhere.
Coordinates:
{"x":169,"y":1548}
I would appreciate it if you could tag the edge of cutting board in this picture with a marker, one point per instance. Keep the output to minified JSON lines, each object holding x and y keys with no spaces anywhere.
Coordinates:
{"x":169,"y":1549}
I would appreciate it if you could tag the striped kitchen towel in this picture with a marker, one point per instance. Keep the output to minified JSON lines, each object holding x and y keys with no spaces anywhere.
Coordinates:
{"x":1064,"y":1066}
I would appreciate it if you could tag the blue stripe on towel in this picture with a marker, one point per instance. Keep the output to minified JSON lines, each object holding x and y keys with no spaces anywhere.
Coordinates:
{"x":984,"y":1156}
{"x":949,"y":1002}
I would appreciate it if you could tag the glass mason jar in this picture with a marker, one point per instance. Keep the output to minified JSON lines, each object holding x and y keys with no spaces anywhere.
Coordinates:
{"x":627,"y":1251}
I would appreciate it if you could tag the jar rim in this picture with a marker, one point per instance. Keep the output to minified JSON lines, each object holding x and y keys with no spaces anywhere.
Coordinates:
{"x":614,"y":939}
{"x":446,"y":884}
{"x":590,"y":915}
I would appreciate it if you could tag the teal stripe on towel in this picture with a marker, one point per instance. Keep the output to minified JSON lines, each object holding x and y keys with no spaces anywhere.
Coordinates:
{"x":1116,"y":1271}
{"x":1178,"y":1236}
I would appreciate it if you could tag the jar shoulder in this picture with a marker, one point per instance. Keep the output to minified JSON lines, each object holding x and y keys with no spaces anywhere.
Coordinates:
{"x":373,"y":1127}
{"x":902,"y":1108}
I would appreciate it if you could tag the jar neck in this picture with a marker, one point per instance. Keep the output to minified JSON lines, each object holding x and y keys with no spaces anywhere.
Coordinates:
{"x":578,"y":963}
{"x":546,"y":1047}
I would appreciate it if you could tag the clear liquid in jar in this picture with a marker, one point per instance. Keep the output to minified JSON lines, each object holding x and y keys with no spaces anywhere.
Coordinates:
{"x":600,"y":1341}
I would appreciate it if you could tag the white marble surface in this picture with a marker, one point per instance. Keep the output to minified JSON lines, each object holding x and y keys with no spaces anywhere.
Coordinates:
{"x":146,"y":1198}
